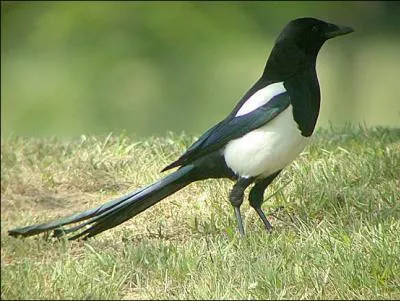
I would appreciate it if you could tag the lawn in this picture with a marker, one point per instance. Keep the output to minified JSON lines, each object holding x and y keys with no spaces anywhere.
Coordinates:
{"x":335,"y":212}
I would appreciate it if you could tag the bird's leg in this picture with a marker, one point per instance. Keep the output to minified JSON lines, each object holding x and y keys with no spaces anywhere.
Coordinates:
{"x":236,"y":199}
{"x":256,"y":198}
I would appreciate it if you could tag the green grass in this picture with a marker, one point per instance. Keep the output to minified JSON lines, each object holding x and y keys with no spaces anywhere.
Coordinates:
{"x":336,"y":238}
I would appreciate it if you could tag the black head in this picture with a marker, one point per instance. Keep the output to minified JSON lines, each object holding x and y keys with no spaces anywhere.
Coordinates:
{"x":297,"y":47}
{"x":310,"y":34}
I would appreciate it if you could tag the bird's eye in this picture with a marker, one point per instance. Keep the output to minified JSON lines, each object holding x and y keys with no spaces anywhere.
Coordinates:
{"x":315,"y":29}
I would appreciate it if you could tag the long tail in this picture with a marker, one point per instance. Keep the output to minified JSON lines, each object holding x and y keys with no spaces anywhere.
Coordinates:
{"x":114,"y":212}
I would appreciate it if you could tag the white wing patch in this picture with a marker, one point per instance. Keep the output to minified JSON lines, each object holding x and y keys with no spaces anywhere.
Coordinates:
{"x":267,"y":149}
{"x":261,"y":97}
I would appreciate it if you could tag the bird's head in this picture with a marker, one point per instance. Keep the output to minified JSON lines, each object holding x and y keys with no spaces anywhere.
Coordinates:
{"x":310,"y":34}
{"x":297,"y":47}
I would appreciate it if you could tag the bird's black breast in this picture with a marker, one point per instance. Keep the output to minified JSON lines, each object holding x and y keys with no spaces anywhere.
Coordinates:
{"x":305,"y":99}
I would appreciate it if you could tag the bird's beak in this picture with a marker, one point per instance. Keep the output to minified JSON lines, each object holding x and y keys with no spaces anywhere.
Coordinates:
{"x":337,"y":30}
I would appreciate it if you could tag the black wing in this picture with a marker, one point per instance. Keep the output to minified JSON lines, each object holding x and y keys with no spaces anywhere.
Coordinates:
{"x":231,"y":128}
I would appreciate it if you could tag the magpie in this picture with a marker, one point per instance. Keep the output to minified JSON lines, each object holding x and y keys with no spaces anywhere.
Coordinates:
{"x":267,"y":129}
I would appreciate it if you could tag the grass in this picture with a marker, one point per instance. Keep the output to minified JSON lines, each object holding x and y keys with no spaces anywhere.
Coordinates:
{"x":337,"y":236}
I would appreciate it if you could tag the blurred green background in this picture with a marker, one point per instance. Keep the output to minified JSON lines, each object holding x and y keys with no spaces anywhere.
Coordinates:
{"x":72,"y":68}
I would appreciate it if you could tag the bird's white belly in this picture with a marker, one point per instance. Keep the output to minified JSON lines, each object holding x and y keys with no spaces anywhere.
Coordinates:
{"x":267,"y":149}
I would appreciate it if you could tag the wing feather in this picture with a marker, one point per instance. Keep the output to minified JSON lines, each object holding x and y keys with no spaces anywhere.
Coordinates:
{"x":231,"y":128}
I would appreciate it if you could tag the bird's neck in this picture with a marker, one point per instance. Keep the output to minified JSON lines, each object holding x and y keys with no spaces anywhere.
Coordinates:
{"x":286,"y":61}
{"x":296,"y":69}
